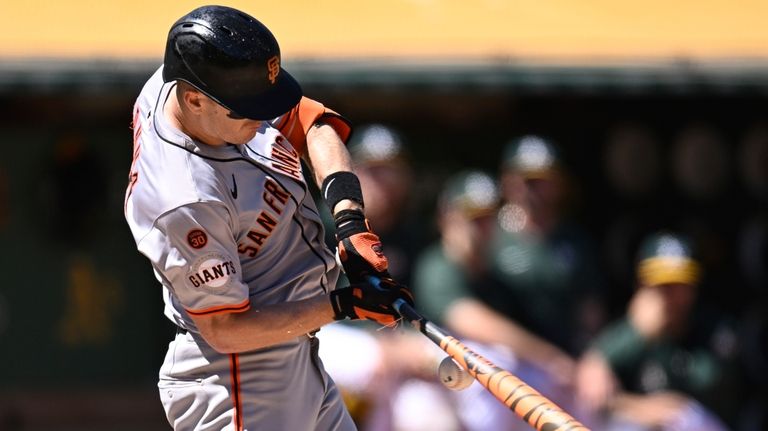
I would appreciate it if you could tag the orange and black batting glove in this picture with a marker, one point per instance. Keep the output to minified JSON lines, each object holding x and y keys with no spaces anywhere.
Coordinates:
{"x":360,"y":250}
{"x":367,"y":301}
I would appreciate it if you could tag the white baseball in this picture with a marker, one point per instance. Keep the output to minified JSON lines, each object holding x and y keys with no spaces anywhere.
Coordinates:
{"x":452,"y":375}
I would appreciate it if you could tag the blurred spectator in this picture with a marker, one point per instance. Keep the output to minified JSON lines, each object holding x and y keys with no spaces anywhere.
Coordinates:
{"x":381,"y":163}
{"x":370,"y":369}
{"x":395,"y":387}
{"x":459,"y":284}
{"x":552,"y":286}
{"x":669,"y":364}
{"x":455,"y":285}
{"x":379,"y":373}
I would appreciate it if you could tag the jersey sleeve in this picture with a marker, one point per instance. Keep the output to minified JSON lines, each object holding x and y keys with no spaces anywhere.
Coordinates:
{"x":295,"y":124}
{"x":194,"y":250}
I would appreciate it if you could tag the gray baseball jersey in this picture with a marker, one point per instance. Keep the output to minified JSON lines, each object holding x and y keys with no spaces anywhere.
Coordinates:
{"x":227,"y":228}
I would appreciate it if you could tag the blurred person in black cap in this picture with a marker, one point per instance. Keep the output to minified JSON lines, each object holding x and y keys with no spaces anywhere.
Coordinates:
{"x":545,"y":261}
{"x":381,"y":162}
{"x":458,"y":288}
{"x":410,"y":398}
{"x":668,"y":364}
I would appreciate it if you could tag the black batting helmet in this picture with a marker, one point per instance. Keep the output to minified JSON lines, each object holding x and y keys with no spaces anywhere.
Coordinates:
{"x":232,"y":58}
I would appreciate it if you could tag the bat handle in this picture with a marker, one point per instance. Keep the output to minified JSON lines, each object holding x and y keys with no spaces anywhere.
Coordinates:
{"x":409,"y":313}
{"x":402,"y":307}
{"x":399,"y":304}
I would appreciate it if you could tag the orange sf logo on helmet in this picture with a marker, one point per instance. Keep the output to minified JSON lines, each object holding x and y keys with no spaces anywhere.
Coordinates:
{"x":273,"y":66}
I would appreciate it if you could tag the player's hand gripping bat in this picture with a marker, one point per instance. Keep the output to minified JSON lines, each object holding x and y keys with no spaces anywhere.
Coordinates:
{"x":528,"y":404}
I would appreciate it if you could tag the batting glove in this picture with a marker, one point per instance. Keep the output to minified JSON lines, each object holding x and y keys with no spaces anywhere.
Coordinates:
{"x":366,"y":301}
{"x":360,"y":249}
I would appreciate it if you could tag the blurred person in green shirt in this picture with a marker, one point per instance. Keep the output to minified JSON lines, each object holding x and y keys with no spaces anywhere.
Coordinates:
{"x":381,"y":161}
{"x":545,"y":260}
{"x":457,"y":287}
{"x":367,"y":363}
{"x":669,"y":364}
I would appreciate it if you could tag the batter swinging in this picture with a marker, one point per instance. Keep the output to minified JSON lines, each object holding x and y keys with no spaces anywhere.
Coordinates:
{"x":217,"y":202}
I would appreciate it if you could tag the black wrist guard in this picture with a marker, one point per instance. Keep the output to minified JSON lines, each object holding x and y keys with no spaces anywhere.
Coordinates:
{"x":349,"y":222}
{"x":339,"y":186}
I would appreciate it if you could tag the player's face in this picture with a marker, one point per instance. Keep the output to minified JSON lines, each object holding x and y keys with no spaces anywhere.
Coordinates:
{"x":226,"y":127}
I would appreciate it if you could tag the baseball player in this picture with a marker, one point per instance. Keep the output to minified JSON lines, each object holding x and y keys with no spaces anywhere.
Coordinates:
{"x":218,"y":203}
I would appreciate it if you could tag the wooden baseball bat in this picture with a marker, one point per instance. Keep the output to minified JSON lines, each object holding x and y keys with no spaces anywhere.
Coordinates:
{"x":527,"y":403}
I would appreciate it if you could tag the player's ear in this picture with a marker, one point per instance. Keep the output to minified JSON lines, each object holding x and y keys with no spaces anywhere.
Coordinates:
{"x":190,"y":97}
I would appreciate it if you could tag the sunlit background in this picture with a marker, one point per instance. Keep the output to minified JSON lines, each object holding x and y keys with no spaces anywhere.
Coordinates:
{"x":660,"y":109}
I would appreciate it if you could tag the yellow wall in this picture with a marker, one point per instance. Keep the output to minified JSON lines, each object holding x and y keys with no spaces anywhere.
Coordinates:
{"x":414,"y":28}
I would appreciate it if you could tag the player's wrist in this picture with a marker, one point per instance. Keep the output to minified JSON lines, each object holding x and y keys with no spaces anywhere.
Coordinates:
{"x":366,"y":301}
{"x":342,"y":191}
{"x":340,"y":302}
{"x":347,"y":205}
{"x":349,"y":222}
